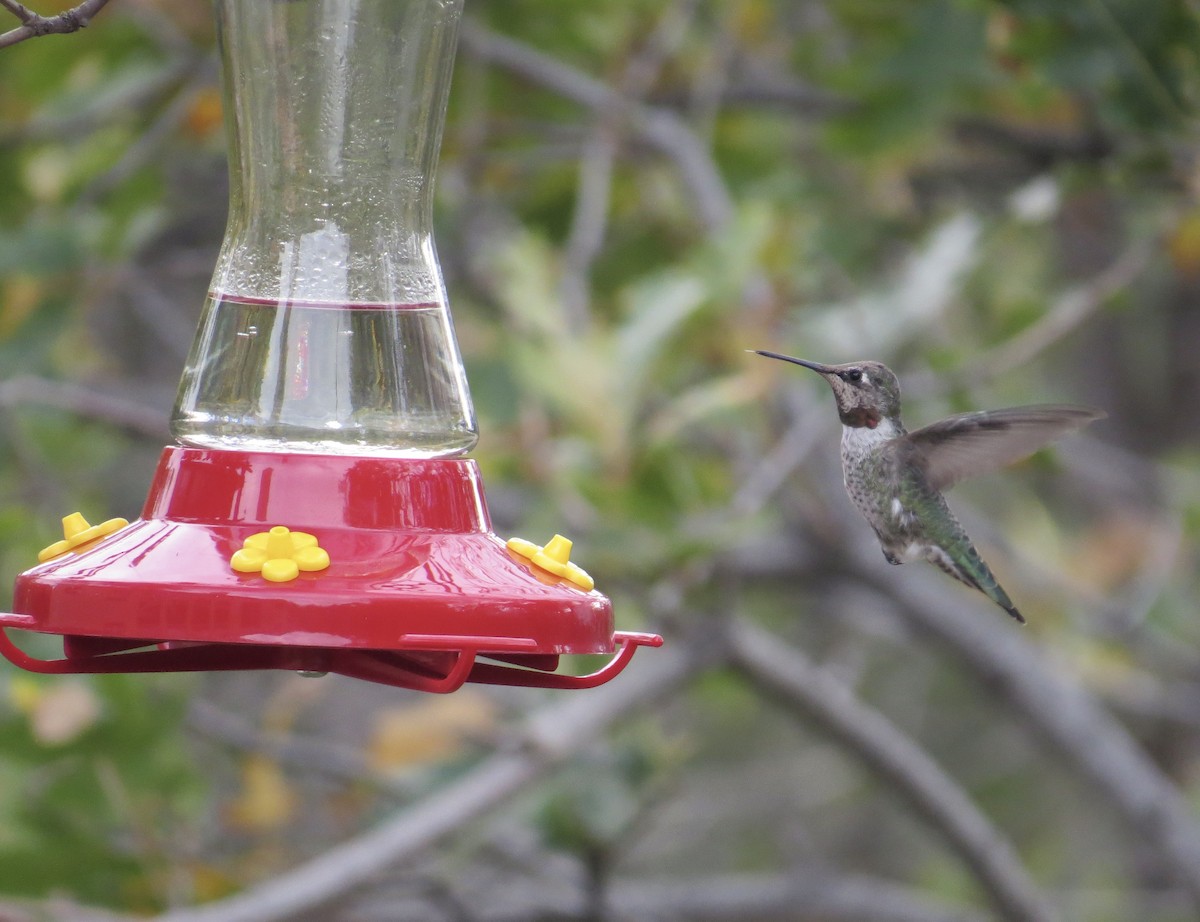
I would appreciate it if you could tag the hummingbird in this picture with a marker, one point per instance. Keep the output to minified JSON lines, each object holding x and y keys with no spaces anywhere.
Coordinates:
{"x":896,"y":477}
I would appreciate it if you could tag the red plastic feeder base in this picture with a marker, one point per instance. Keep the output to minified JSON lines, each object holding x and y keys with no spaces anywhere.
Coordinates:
{"x":416,"y":590}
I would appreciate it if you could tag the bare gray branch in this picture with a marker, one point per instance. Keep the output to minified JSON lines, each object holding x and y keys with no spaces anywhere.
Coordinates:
{"x":788,"y":676}
{"x":34,"y":25}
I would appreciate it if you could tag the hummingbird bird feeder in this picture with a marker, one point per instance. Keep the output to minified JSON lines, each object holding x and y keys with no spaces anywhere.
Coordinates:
{"x":317,"y":514}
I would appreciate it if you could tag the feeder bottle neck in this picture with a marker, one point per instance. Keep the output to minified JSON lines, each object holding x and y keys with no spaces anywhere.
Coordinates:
{"x":327,"y":327}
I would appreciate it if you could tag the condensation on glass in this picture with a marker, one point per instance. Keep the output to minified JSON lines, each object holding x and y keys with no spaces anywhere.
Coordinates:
{"x":326,"y":328}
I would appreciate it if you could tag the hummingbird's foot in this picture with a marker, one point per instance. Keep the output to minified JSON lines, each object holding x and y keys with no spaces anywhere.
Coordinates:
{"x":892,"y":558}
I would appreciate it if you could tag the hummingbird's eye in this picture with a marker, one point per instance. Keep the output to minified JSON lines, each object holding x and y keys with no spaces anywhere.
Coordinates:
{"x":854,"y":376}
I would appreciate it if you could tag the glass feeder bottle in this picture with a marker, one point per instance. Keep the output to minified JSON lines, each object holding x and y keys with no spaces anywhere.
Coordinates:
{"x":326,"y":328}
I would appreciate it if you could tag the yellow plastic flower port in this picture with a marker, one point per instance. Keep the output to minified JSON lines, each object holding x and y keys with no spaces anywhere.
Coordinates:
{"x":280,"y":554}
{"x":555,"y":558}
{"x":77,"y":532}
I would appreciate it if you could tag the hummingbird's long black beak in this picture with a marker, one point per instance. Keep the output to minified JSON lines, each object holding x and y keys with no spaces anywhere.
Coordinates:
{"x":815,"y":366}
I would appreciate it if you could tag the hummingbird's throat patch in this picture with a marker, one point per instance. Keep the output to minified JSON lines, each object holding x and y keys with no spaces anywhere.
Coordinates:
{"x":860,"y":417}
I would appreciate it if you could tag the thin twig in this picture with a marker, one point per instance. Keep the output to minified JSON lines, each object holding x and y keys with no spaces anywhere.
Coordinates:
{"x":907,"y":769}
{"x":143,"y":95}
{"x":1042,"y":148}
{"x":661,"y":129}
{"x":1151,"y":79}
{"x":589,"y":220}
{"x":773,"y":467}
{"x":34,"y":25}
{"x":759,"y":88}
{"x":150,"y":141}
{"x":19,"y":10}
{"x":1070,"y":310}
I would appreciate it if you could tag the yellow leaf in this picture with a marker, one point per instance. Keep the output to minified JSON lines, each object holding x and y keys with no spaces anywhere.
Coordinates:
{"x":266,"y":800}
{"x":431,"y":731}
{"x":204,"y":113}
{"x":210,"y":883}
{"x":19,"y":297}
{"x":24,"y":693}
{"x":1103,"y":665}
{"x":755,"y":22}
{"x":1183,"y":245}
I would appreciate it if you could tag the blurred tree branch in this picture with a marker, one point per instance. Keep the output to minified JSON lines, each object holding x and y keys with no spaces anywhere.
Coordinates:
{"x":662,"y":129}
{"x":128,"y":415}
{"x":1042,"y":148}
{"x":820,"y":894}
{"x":1061,"y":712}
{"x":34,"y":25}
{"x":589,"y":218}
{"x":150,"y":142}
{"x":827,"y":896}
{"x":1067,"y":313}
{"x":905,"y":767}
{"x":800,"y":894}
{"x":549,"y":737}
{"x":143,"y":95}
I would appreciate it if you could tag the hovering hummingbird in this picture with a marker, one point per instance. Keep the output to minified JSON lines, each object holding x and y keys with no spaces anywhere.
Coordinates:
{"x":895,"y":477}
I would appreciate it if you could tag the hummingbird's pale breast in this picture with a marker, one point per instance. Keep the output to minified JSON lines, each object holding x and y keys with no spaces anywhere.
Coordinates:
{"x":891,"y":496}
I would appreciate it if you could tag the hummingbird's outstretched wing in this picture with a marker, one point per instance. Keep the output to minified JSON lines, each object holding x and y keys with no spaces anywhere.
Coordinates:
{"x":975,"y":443}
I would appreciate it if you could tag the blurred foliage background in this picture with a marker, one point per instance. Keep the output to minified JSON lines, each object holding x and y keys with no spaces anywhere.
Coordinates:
{"x":1001,"y":200}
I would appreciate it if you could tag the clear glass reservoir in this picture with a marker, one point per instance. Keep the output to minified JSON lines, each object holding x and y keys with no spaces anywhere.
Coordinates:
{"x":326,"y":328}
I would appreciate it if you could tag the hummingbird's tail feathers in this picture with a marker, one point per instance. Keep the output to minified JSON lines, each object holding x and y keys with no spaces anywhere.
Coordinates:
{"x":966,"y":566}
